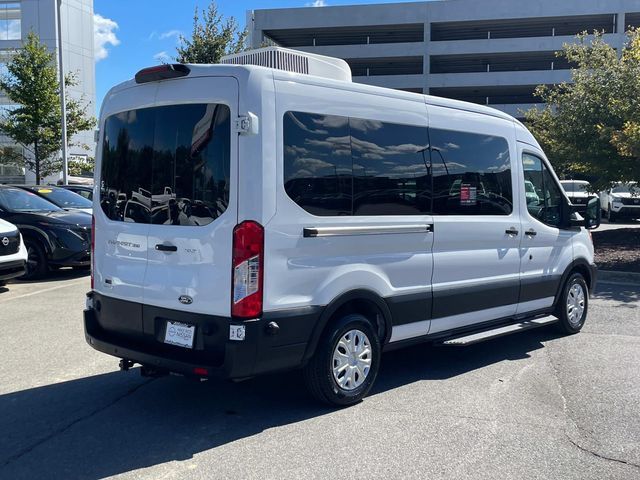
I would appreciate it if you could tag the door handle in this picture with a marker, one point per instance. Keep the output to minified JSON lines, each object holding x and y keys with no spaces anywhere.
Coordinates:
{"x":511,"y":231}
{"x":531,"y":232}
{"x":166,"y":248}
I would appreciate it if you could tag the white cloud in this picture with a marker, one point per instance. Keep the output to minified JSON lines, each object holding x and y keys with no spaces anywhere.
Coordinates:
{"x":162,"y":57}
{"x":170,"y":33}
{"x":104,"y":34}
{"x":164,"y":35}
{"x":316,"y":3}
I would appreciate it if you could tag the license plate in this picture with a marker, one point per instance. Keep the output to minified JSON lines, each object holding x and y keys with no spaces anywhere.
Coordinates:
{"x":180,"y":334}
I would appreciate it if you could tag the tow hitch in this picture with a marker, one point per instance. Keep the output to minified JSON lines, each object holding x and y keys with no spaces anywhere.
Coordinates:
{"x":125,"y":365}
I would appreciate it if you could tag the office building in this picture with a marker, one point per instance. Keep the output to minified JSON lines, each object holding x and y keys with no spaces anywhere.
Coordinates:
{"x":493,"y":52}
{"x":17,"y":19}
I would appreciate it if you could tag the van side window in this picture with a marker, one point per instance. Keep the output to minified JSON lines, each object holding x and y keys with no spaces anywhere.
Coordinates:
{"x":336,"y":165}
{"x":542,"y":193}
{"x":167,"y":165}
{"x":317,"y":162}
{"x":390,"y":168}
{"x":471,"y":173}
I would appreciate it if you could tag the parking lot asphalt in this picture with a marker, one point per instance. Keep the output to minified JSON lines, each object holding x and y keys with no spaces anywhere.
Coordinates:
{"x":605,"y":225}
{"x":534,"y":405}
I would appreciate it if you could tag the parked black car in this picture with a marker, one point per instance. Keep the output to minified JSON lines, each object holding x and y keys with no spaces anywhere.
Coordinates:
{"x":53,"y":237}
{"x":84,"y":190}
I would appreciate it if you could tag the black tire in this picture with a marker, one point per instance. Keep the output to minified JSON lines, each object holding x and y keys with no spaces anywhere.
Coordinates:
{"x":318,"y":373}
{"x":570,"y":324}
{"x":37,"y":261}
{"x":82,"y":268}
{"x":611,"y":217}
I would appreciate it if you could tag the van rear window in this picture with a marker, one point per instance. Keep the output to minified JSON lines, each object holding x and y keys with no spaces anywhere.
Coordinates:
{"x":166,"y":165}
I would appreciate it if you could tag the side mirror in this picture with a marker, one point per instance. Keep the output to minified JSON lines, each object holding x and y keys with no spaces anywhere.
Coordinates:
{"x":592,"y":215}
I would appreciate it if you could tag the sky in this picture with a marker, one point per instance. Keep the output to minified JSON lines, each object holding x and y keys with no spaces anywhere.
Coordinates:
{"x":133,"y":34}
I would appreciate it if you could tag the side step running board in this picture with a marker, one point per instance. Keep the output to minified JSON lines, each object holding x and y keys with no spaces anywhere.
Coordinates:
{"x":472,"y":338}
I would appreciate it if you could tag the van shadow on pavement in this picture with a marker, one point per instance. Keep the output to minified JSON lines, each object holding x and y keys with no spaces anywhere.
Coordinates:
{"x":113,"y":423}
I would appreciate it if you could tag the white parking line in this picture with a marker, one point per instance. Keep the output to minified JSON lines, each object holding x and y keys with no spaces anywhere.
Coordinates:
{"x":57,"y":287}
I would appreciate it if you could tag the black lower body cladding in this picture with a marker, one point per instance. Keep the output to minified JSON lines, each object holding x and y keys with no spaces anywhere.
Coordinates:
{"x":134,"y":331}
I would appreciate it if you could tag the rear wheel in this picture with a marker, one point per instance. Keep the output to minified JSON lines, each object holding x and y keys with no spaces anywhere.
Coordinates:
{"x":36,"y":266}
{"x":573,"y":305}
{"x":346,"y":362}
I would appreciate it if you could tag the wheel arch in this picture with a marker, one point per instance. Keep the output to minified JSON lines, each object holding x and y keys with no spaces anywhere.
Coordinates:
{"x":581,"y":266}
{"x":363,"y":301}
{"x":37,"y":234}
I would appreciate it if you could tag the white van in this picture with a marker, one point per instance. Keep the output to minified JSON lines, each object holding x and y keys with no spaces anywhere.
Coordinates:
{"x":314,"y":223}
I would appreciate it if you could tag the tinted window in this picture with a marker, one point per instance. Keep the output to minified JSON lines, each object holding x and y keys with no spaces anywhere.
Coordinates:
{"x":390,"y":168}
{"x":18,"y":200}
{"x":471,"y":173}
{"x":544,"y":201}
{"x":158,"y":163}
{"x":63,"y":198}
{"x":317,"y":162}
{"x":336,"y":165}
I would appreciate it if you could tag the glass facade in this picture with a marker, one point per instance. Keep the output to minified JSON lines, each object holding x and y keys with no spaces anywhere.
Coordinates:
{"x":10,"y":27}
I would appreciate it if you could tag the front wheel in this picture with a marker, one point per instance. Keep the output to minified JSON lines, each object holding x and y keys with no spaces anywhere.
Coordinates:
{"x":611,"y":216}
{"x":36,"y":261}
{"x":573,"y":305}
{"x":346,"y":362}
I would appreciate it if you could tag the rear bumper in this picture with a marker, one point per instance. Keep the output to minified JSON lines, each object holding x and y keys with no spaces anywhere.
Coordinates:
{"x":135,"y":332}
{"x":13,"y":269}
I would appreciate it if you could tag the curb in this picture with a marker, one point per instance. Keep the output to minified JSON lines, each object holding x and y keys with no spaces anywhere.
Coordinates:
{"x":625,"y":278}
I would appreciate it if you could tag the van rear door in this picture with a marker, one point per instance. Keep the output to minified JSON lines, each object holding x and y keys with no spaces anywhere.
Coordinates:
{"x":184,"y":165}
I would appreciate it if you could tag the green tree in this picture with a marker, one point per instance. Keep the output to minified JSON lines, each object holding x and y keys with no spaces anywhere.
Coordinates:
{"x":35,"y":123}
{"x":82,"y":167}
{"x":211,"y":39}
{"x":591,"y":126}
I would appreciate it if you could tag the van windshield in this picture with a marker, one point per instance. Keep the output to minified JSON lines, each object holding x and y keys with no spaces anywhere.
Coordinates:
{"x":166,"y":165}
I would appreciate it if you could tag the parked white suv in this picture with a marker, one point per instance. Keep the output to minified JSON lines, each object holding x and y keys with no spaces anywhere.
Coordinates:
{"x":13,"y":254}
{"x":622,"y":200}
{"x":578,"y":192}
{"x":314,"y":223}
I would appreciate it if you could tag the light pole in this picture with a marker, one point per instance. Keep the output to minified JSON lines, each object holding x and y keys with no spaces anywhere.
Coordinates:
{"x":63,"y":103}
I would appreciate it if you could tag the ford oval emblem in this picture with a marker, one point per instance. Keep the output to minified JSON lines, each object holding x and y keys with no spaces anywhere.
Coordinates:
{"x":185,"y":299}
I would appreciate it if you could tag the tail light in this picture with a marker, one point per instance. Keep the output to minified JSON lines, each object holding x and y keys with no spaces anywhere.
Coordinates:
{"x":248,"y":271}
{"x":93,"y":243}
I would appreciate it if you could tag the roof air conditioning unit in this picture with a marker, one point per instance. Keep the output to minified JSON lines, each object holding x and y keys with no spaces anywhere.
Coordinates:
{"x":293,"y":61}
